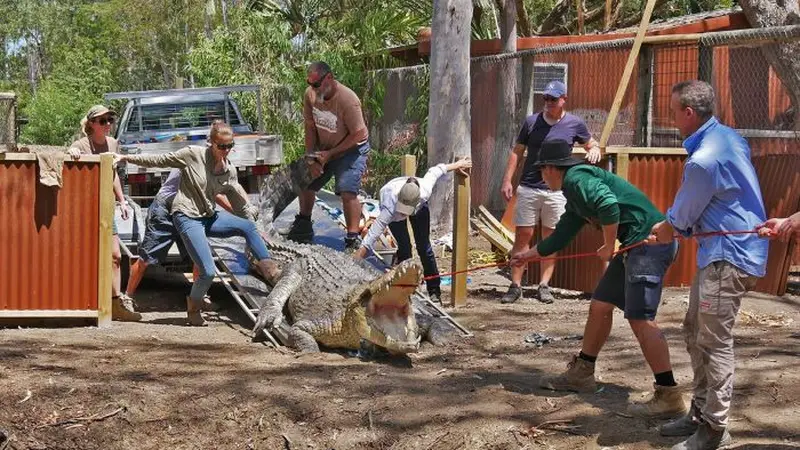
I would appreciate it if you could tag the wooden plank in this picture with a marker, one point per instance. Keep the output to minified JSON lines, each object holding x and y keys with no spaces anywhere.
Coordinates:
{"x":460,"y":238}
{"x":623,"y":161}
{"x":494,"y":223}
{"x":106,"y":218}
{"x":626,"y":74}
{"x":48,"y":313}
{"x":607,"y":16}
{"x":408,"y":168}
{"x":492,"y":236}
{"x":615,"y":150}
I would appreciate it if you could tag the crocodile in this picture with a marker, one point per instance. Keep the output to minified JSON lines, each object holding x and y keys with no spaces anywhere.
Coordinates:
{"x":328,"y":297}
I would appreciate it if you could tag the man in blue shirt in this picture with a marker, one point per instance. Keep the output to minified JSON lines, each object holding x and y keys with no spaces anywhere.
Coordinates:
{"x":720,"y":192}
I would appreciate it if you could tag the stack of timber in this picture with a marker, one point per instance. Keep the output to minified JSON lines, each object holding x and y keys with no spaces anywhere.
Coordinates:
{"x":493,"y":231}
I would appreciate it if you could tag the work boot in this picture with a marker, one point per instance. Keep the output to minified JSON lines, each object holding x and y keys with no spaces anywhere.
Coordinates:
{"x":122,"y":309}
{"x":545,"y":296}
{"x":193,"y":308}
{"x":302,"y":230}
{"x":435,"y":295}
{"x":514,"y":293}
{"x":666,"y":402}
{"x":685,"y":426}
{"x":579,"y":377}
{"x":706,"y":438}
{"x":269,"y":271}
{"x":352,"y":244}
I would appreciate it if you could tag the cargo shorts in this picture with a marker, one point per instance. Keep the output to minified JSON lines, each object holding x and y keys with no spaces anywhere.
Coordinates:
{"x":634,"y":280}
{"x":348,"y":170}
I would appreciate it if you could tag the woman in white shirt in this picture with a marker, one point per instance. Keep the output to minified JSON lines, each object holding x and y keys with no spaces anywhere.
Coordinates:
{"x":407,"y":197}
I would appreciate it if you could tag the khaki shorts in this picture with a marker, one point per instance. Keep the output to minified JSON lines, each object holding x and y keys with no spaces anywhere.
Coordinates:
{"x":534,"y":205}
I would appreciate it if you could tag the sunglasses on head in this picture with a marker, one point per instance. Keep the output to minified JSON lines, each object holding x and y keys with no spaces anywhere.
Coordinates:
{"x":548,"y":98}
{"x":105,"y":121}
{"x":318,"y":83}
{"x":227,"y":146}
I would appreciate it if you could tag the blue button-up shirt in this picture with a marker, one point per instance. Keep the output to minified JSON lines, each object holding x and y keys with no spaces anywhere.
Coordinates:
{"x":720,"y":192}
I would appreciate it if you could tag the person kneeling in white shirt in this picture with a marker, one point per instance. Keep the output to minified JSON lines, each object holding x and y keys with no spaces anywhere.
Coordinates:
{"x":407,"y":197}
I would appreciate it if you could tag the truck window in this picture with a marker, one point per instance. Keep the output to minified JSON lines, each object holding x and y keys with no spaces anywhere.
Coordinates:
{"x":180,"y":116}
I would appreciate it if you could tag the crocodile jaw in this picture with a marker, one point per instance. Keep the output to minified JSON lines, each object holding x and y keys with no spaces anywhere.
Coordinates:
{"x":389,"y":316}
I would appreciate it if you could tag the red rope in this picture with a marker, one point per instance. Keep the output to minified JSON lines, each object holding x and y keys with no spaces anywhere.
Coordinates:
{"x":576,"y":255}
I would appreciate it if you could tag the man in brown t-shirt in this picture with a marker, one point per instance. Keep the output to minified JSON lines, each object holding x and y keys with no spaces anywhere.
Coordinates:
{"x":336,"y":146}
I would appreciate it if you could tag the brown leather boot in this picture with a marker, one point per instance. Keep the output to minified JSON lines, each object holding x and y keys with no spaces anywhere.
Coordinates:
{"x":666,"y":403}
{"x":193,"y":308}
{"x":579,"y":377}
{"x":122,"y":309}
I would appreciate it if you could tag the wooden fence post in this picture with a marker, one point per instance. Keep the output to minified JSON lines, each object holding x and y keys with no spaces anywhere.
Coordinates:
{"x":460,"y":238}
{"x":106,"y":217}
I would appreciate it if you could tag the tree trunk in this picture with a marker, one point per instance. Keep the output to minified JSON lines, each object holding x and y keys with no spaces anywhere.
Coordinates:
{"x":224,"y":4}
{"x":449,"y":109}
{"x":507,"y":121}
{"x":785,"y":57}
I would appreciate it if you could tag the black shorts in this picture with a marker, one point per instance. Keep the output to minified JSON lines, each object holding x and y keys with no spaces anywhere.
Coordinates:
{"x":634,"y":280}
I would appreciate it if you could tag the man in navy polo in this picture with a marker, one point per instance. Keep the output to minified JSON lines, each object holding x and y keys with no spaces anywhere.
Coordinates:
{"x":535,"y":201}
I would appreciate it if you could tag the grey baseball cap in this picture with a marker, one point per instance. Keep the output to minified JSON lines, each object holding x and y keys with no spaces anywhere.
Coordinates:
{"x":408,"y":198}
{"x":97,"y":111}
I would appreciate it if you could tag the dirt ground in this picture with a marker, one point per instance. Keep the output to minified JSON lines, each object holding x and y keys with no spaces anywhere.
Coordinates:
{"x":162,"y":385}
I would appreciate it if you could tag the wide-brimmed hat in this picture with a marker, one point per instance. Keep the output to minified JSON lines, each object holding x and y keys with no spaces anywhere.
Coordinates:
{"x":556,"y":153}
{"x":99,"y":110}
{"x":408,"y":198}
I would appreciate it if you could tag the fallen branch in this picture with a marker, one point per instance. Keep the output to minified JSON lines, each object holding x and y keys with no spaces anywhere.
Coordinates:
{"x":83,"y":421}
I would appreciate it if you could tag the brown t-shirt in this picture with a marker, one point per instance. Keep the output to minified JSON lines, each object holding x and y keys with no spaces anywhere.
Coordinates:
{"x":335,"y":117}
{"x":86,"y":146}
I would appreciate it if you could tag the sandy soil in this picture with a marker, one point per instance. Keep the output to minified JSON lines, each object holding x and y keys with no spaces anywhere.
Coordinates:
{"x":162,"y":385}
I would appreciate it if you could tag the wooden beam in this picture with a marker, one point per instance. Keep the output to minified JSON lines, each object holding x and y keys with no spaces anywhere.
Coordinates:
{"x":106,"y":218}
{"x":623,"y":161}
{"x":460,"y":238}
{"x":607,"y":18}
{"x":579,"y":9}
{"x":491,"y":235}
{"x":620,"y":150}
{"x":494,"y":223}
{"x":626,"y":74}
{"x":408,"y":166}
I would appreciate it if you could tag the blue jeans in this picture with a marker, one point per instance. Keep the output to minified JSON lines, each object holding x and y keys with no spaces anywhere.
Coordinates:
{"x":421,"y":227}
{"x":194,"y":233}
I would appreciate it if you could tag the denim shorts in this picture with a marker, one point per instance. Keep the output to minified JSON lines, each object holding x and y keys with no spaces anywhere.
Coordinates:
{"x":348,"y":170}
{"x":159,"y":234}
{"x":634,"y":280}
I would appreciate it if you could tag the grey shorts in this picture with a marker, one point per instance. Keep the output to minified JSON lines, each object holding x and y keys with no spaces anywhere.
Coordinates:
{"x":634,"y":280}
{"x":348,"y":170}
{"x":534,"y":205}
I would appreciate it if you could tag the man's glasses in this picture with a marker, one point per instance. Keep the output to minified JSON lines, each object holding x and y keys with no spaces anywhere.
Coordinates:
{"x":548,"y":98}
{"x":105,"y":121}
{"x":318,"y":83}
{"x":227,"y":146}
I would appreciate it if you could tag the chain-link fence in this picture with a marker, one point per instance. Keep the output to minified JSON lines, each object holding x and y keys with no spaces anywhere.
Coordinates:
{"x":8,"y":119}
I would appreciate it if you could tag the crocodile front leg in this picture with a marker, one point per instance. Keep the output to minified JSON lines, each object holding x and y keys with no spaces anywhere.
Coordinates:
{"x":271,"y":312}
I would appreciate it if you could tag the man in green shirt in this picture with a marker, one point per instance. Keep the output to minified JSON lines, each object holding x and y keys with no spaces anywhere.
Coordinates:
{"x":632,"y":281}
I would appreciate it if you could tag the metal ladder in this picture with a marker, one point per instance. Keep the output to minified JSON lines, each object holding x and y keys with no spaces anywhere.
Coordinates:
{"x":245,"y":300}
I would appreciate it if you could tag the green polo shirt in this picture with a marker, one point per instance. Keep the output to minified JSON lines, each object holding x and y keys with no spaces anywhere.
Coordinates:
{"x":599,"y":197}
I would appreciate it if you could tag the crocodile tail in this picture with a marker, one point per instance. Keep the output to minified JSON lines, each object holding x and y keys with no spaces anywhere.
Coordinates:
{"x":278,"y":190}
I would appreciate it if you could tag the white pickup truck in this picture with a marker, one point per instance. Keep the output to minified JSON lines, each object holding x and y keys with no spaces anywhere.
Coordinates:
{"x":153,"y":122}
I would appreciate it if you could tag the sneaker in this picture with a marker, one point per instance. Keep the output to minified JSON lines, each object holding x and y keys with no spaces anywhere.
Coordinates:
{"x":685,"y":426}
{"x":666,"y":403}
{"x":706,"y":438}
{"x":514,"y":293}
{"x":302,"y":230}
{"x":435,"y":296}
{"x":579,"y":377}
{"x":122,"y":309}
{"x":352,"y":244}
{"x":545,"y":296}
{"x":208,"y":305}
